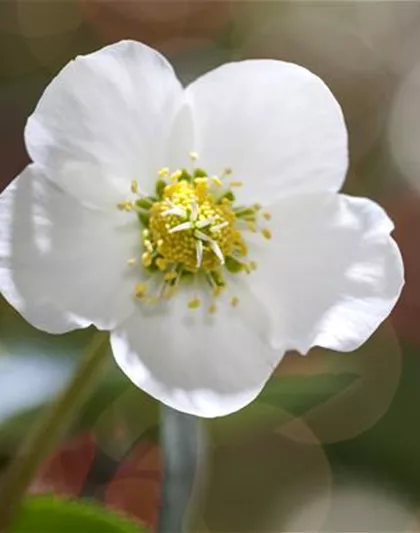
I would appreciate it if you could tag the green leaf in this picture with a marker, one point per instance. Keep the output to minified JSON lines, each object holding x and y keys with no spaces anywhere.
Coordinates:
{"x":49,"y":514}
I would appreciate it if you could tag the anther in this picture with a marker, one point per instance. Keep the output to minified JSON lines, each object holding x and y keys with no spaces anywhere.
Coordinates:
{"x":146,"y":259}
{"x":163,"y":172}
{"x":161,"y":263}
{"x":125,"y":206}
{"x":195,"y":303}
{"x":176,"y":175}
{"x":234,"y":301}
{"x":193,"y":156}
{"x":266,"y":233}
{"x":131,"y":261}
{"x":217,"y":181}
{"x":217,"y":291}
{"x":140,"y":290}
{"x":267,"y":216}
{"x":134,"y":187}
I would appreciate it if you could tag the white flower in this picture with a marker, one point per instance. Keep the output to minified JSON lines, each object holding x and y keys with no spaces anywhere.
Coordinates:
{"x":201,"y":307}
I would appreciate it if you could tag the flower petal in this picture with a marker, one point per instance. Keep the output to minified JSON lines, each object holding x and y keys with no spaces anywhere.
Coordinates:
{"x":63,"y":266}
{"x":275,"y":124}
{"x":331,"y":273}
{"x":202,"y":364}
{"x":110,"y":109}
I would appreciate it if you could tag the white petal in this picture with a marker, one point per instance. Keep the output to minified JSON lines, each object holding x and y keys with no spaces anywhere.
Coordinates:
{"x":206,"y":365}
{"x":331,"y":273}
{"x":63,"y":266}
{"x":275,"y":124}
{"x":111,"y":109}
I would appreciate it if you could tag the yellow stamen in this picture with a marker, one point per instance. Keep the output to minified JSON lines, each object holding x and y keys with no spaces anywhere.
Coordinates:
{"x":140,"y":290}
{"x":217,"y":291}
{"x":163,"y":172}
{"x":125,"y":206}
{"x":217,"y":181}
{"x":146,"y":259}
{"x":195,"y":303}
{"x":176,"y":175}
{"x":161,"y":263}
{"x":192,"y":232}
{"x":243,"y":250}
{"x":266,"y":233}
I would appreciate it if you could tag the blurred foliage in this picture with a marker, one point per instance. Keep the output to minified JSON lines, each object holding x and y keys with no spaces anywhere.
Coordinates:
{"x":50,"y":515}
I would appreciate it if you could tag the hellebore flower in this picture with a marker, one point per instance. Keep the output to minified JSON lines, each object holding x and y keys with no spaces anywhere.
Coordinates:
{"x":202,"y":226}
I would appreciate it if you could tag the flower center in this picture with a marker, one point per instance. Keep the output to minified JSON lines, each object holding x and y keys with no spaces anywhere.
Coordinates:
{"x":188,"y":227}
{"x":192,"y":229}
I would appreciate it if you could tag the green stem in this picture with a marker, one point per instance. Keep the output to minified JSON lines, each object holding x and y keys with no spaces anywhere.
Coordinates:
{"x":45,"y":434}
{"x":182,"y":446}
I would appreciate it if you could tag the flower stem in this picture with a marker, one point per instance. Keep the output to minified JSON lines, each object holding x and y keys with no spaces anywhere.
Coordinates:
{"x":182,"y":445}
{"x":41,"y":440}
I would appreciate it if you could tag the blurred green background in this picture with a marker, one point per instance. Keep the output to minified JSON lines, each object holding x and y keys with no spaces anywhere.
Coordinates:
{"x":333,"y":442}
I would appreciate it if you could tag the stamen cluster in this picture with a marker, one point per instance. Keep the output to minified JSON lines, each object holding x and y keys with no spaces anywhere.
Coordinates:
{"x":192,"y":228}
